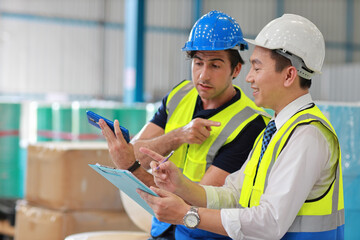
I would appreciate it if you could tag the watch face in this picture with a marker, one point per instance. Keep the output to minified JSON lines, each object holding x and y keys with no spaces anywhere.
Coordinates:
{"x":191,"y":220}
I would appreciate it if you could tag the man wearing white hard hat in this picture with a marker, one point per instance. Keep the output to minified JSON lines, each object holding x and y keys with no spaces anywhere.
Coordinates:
{"x":291,"y":184}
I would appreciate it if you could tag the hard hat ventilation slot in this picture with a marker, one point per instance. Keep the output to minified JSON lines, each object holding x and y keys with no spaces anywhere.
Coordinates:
{"x":307,"y":69}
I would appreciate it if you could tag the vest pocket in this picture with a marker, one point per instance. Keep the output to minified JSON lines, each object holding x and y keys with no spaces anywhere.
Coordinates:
{"x":194,"y":170}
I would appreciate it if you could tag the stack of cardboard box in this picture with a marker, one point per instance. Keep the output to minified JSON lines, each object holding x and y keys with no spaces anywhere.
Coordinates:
{"x":65,"y":196}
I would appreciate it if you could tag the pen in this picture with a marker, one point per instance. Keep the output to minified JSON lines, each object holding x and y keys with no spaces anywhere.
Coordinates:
{"x":167,"y":158}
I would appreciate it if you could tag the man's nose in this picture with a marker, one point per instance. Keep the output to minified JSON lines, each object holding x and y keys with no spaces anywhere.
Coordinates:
{"x":205,"y":73}
{"x":249,"y":77}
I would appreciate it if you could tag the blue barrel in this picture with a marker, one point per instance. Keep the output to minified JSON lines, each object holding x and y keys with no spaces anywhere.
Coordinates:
{"x":345,"y":119}
{"x":131,"y":117}
{"x":11,"y":168}
{"x":44,"y":122}
{"x":61,"y":121}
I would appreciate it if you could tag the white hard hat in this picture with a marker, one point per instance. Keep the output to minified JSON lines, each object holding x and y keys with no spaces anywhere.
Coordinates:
{"x":294,"y":35}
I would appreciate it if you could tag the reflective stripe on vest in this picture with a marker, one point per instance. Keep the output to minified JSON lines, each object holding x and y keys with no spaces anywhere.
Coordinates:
{"x":195,"y":159}
{"x":325,"y":214}
{"x":175,"y":96}
{"x":177,"y":102}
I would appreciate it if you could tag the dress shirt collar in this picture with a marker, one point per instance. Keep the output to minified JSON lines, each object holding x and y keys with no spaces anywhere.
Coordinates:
{"x":287,"y":112}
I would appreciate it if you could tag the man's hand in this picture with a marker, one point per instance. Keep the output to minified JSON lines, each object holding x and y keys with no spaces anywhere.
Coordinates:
{"x":167,"y":207}
{"x":122,"y":153}
{"x":166,"y":175}
{"x":197,"y":131}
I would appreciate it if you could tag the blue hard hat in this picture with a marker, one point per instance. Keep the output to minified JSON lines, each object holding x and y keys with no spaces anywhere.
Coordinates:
{"x":215,"y":31}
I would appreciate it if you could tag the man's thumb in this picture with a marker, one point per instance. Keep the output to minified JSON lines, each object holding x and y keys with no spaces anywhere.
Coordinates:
{"x":160,"y":192}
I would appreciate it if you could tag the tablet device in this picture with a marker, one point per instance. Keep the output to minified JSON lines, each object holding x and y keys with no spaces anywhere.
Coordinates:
{"x":94,"y":118}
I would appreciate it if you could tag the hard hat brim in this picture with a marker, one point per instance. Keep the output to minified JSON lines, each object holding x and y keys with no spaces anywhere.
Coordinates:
{"x":254,"y":42}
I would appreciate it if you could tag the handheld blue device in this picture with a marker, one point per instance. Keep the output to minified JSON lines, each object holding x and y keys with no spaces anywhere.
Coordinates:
{"x":94,"y":118}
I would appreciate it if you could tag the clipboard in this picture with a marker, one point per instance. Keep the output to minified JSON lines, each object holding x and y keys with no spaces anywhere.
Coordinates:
{"x":126,"y":182}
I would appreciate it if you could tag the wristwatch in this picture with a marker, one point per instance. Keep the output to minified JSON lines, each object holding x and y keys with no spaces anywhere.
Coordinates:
{"x":192,"y":218}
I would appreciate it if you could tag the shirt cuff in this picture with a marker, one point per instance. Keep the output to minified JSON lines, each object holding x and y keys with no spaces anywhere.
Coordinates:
{"x":212,"y":198}
{"x":231,"y":222}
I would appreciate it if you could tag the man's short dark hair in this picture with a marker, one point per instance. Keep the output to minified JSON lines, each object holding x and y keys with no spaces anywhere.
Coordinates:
{"x":234,"y":57}
{"x":282,"y":62}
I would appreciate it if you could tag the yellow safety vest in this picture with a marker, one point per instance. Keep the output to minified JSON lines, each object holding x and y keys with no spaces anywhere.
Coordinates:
{"x":195,"y":159}
{"x":321,"y":218}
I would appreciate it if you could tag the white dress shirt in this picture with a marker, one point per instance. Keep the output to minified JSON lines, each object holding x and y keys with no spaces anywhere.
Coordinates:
{"x":304,"y":170}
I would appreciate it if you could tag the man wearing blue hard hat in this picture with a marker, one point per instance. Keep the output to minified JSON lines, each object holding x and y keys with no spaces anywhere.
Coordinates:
{"x":208,"y":122}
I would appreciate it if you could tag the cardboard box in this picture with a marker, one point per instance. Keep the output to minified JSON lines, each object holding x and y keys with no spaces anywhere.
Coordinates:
{"x":40,"y":223}
{"x":58,"y":177}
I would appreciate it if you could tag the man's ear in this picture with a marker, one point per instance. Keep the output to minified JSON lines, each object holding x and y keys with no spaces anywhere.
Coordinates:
{"x":290,"y":76}
{"x":237,"y":70}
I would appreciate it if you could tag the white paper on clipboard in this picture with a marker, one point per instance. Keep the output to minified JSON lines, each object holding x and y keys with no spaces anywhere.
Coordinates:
{"x":126,"y":182}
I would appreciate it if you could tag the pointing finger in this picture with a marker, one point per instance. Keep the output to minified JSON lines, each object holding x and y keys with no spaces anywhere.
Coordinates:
{"x":157,"y":157}
{"x":209,"y":123}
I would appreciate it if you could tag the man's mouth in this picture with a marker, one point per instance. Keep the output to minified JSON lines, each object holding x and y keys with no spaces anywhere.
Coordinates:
{"x":204,"y":86}
{"x":255,"y":90}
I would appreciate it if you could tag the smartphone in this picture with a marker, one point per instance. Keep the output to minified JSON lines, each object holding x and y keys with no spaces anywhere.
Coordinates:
{"x":94,"y":118}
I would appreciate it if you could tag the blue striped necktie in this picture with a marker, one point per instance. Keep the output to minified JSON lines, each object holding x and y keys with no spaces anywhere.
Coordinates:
{"x":269,"y":131}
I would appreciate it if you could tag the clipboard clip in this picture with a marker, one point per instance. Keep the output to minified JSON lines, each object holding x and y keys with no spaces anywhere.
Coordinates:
{"x":98,"y":164}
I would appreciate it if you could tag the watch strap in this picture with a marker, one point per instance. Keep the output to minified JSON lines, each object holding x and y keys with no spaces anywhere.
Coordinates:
{"x":135,"y":166}
{"x":194,"y":209}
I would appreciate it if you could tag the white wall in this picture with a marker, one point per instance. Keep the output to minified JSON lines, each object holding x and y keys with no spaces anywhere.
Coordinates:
{"x":76,"y":47}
